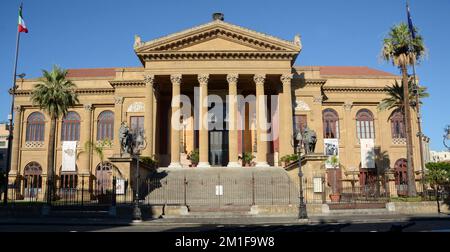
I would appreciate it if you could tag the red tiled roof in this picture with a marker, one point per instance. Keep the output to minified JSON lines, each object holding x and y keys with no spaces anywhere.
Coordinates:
{"x":91,"y":72}
{"x":352,"y":70}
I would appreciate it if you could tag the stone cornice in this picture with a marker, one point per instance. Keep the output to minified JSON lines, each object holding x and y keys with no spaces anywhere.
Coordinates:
{"x":127,"y":83}
{"x":315,"y":82}
{"x":354,"y":89}
{"x":216,"y":28}
{"x":85,"y":91}
{"x":218,"y":55}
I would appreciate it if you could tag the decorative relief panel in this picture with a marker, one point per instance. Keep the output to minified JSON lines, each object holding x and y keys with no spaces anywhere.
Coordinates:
{"x":399,"y":141}
{"x":136,"y":107}
{"x":301,"y":106}
{"x":34,"y":144}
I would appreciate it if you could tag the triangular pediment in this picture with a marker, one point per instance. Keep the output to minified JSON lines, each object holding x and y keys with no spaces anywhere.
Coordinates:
{"x":217,"y":36}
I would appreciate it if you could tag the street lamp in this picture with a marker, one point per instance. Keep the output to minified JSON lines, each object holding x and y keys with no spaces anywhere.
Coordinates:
{"x":302,"y":214}
{"x":138,"y":144}
{"x":447,"y":136}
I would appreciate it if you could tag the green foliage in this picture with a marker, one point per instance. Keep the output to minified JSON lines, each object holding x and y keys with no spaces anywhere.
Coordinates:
{"x":396,"y":46}
{"x":152,"y":161}
{"x":247,"y":158}
{"x":54,"y":93}
{"x":395,"y":96}
{"x":289,"y":158}
{"x":97,"y":147}
{"x":194,"y":156}
{"x":438,"y":174}
{"x":334,"y":161}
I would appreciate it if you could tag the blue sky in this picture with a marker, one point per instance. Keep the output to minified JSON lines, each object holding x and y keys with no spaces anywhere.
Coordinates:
{"x":100,"y":33}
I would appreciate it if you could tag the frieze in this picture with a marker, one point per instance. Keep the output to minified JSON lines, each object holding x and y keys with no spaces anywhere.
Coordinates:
{"x":136,"y":107}
{"x":301,"y":105}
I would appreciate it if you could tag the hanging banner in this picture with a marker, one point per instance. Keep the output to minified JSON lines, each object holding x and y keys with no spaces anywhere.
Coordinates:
{"x":69,"y":156}
{"x":331,"y":148}
{"x":120,"y":186}
{"x":367,"y":153}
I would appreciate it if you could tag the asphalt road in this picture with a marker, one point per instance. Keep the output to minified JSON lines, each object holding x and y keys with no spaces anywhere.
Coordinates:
{"x":439,"y":225}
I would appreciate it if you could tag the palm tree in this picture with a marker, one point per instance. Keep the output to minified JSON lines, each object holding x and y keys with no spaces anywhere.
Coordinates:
{"x":403,"y":51}
{"x":394,"y":99}
{"x":54,"y":94}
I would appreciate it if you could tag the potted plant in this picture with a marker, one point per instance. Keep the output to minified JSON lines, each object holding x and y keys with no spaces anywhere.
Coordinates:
{"x":286,"y":160}
{"x":247,"y":158}
{"x":335,"y":196}
{"x":194,"y":157}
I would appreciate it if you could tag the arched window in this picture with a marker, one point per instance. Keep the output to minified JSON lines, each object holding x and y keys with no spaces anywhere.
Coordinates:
{"x":401,"y":177}
{"x":32,"y":176}
{"x":364,"y":124}
{"x":330,"y":123}
{"x":397,"y":125}
{"x":105,"y":125}
{"x":70,"y":129}
{"x":35,"y":127}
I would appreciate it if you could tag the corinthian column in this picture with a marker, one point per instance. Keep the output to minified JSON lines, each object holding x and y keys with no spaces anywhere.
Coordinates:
{"x":175,"y":122}
{"x":148,"y":117}
{"x":286,"y":120}
{"x":261,"y":122}
{"x":118,"y":104}
{"x":203,"y":122}
{"x":15,"y":142}
{"x":232,"y":121}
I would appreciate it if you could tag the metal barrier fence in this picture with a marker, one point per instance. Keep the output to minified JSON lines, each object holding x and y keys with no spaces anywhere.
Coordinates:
{"x":213,"y":192}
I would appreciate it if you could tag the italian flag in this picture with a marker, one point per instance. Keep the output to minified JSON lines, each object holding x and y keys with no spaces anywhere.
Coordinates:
{"x":22,"y":26}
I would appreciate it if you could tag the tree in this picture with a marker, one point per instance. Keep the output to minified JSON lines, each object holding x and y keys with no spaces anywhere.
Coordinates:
{"x":438,"y":175}
{"x":54,"y":94}
{"x":394,"y":99}
{"x":403,"y":51}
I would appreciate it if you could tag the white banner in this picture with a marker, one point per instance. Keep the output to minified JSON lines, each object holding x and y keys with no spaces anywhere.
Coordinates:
{"x":330,"y":148}
{"x":367,"y":153}
{"x":120,"y":186}
{"x":69,"y":156}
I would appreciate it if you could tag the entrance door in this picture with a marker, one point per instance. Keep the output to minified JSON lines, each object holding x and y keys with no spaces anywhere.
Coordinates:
{"x":218,"y":148}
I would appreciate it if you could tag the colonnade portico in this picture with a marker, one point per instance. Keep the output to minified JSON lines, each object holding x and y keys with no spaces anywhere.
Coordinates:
{"x":261,"y":131}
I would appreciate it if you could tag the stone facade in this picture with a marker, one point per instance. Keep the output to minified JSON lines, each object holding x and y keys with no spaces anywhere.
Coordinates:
{"x":222,"y":59}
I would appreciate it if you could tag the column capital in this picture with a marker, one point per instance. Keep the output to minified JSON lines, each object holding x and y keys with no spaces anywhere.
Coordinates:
{"x":318,"y":99}
{"x":203,"y":78}
{"x":176,"y":79}
{"x":286,"y":78}
{"x":259,"y":79}
{"x":149,"y":79}
{"x":232,"y":78}
{"x":348,"y":105}
{"x":17,"y":108}
{"x":88,"y":107}
{"x":118,"y":100}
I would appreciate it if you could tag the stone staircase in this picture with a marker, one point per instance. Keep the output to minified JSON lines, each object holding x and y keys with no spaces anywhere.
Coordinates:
{"x":221,"y":189}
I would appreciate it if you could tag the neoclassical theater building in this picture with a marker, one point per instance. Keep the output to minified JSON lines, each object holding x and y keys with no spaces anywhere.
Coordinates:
{"x":225,"y":60}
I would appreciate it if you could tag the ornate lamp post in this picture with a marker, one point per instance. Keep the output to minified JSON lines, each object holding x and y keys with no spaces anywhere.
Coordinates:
{"x":447,"y":137}
{"x":138,"y":144}
{"x":302,"y":214}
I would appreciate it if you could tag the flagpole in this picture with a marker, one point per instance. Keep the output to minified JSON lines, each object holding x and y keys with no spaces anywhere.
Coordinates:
{"x":419,"y":125}
{"x":10,"y":117}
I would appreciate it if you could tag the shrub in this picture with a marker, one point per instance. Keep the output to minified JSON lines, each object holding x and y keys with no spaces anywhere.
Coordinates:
{"x":194,"y":156}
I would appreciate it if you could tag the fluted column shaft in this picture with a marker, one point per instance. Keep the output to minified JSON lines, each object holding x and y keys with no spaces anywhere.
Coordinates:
{"x":118,"y":104}
{"x":286,"y":120}
{"x":232,"y":121}
{"x":175,"y":122}
{"x":203,"y":122}
{"x":87,"y":127}
{"x":261,"y":122}
{"x":148,"y":118}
